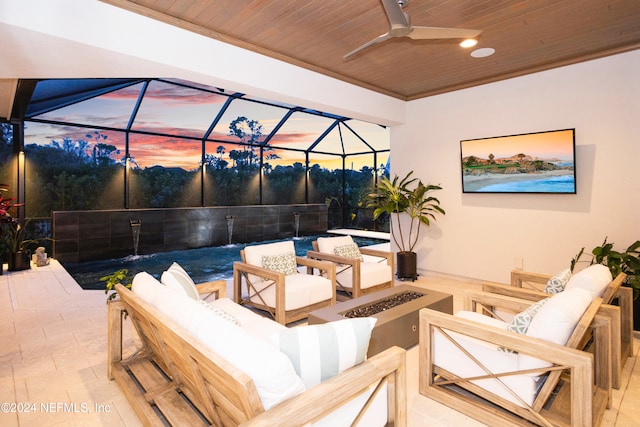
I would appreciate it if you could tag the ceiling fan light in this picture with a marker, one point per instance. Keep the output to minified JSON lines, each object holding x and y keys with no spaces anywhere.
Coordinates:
{"x":468,"y":43}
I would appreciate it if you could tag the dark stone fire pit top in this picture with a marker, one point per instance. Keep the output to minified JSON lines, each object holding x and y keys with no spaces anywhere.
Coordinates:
{"x":382,"y":305}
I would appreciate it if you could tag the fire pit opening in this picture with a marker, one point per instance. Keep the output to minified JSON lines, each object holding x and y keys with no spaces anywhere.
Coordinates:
{"x":382,"y":305}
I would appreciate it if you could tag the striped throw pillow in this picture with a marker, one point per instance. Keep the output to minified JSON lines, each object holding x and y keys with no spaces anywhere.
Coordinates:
{"x":318,"y":352}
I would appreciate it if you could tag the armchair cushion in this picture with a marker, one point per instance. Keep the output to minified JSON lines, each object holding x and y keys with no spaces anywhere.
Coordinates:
{"x":253,"y":254}
{"x":328,"y":244}
{"x":318,"y":352}
{"x":521,"y":321}
{"x":348,"y":251}
{"x":283,"y":263}
{"x":449,"y":357}
{"x":594,"y":279}
{"x":371,"y":274}
{"x":558,"y":282}
{"x":302,"y":290}
{"x":555,"y":322}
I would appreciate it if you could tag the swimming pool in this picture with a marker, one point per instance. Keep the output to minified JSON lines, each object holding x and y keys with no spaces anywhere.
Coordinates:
{"x":202,"y":264}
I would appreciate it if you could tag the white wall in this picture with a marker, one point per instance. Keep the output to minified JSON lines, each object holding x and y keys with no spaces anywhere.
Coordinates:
{"x":482,"y":234}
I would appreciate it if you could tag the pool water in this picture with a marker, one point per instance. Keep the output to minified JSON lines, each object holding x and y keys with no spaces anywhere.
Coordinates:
{"x":203,"y":264}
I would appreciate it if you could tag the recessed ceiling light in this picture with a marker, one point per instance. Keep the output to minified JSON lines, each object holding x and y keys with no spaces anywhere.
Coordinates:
{"x":468,"y":43}
{"x":483,"y":52}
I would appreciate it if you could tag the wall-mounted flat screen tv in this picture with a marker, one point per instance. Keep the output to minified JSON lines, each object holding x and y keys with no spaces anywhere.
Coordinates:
{"x":541,"y":162}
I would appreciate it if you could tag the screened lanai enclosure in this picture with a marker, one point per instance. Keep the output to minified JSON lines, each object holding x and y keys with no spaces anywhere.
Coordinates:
{"x":99,"y":149}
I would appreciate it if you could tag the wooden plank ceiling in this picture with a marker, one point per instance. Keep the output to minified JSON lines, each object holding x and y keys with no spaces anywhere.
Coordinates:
{"x":528,"y":36}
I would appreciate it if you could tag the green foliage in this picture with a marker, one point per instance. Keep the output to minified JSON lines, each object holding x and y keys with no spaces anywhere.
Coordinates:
{"x":119,"y":276}
{"x":627,"y":262}
{"x":409,"y":196}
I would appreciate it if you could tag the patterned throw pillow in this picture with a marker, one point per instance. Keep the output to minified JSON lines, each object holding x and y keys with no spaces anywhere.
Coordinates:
{"x":348,"y":251}
{"x":283,"y":263}
{"x":558,"y":282}
{"x":318,"y":352}
{"x":521,"y":321}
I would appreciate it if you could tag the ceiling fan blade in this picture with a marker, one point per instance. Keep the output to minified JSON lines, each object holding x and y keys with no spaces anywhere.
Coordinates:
{"x":395,"y":15}
{"x":370,"y":43}
{"x":427,"y":33}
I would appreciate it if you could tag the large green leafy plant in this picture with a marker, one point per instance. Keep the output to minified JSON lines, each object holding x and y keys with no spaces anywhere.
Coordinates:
{"x":405,"y":196}
{"x":627,"y":262}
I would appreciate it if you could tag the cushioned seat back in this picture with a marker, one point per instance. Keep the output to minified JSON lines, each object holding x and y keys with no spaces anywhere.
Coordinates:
{"x":594,"y":279}
{"x":253,"y":254}
{"x":327,"y":245}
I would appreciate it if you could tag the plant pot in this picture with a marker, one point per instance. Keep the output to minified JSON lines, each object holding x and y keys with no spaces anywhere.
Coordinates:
{"x":407,"y":266}
{"x":636,"y":314}
{"x":19,"y":261}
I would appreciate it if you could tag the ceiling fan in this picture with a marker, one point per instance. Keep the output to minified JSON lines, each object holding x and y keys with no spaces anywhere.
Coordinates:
{"x":399,"y":26}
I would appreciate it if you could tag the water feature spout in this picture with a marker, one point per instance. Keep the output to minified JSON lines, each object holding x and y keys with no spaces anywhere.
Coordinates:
{"x":229,"y":227}
{"x":135,"y":230}
{"x":296,"y":222}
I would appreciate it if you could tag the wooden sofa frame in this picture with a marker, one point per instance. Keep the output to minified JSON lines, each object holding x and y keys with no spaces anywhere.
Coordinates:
{"x":174,"y":379}
{"x":344,"y":264}
{"x":529,"y":286}
{"x":570,"y":396}
{"x":242,"y":270}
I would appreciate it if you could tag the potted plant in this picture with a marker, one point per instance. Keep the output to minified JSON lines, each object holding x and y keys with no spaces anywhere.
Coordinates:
{"x":117,"y":277}
{"x":11,"y":234}
{"x":408,"y":196}
{"x":627,"y":262}
{"x":13,"y":241}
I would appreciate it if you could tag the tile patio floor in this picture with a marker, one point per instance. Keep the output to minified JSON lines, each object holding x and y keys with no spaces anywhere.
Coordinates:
{"x":53,"y":352}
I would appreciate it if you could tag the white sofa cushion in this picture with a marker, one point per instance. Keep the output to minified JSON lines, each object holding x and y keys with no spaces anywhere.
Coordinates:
{"x":594,"y":279}
{"x":146,"y":287}
{"x":301,"y":291}
{"x":258,"y":326}
{"x":319,"y":352}
{"x":271,"y":370}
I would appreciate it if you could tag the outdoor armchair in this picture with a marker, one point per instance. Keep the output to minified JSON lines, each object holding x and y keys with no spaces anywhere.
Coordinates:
{"x":359,"y":270}
{"x":269,"y":278}
{"x":475,"y":364}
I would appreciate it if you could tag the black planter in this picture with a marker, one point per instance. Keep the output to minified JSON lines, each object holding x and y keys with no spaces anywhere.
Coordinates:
{"x":636,"y":314}
{"x":407,"y":266}
{"x":19,"y":261}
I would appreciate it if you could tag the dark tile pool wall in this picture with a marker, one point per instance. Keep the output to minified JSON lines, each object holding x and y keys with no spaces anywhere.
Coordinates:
{"x":92,"y":235}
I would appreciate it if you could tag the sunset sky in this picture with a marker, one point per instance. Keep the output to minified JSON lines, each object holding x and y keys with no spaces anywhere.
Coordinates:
{"x":176,"y":110}
{"x":546,"y":145}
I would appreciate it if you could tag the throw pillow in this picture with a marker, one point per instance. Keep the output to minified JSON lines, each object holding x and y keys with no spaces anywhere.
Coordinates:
{"x":558,"y":282}
{"x":178,"y":278}
{"x":521,"y":321}
{"x":283,"y":263}
{"x":318,"y":352}
{"x":348,"y":251}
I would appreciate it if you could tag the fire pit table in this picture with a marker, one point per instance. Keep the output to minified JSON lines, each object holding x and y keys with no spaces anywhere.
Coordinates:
{"x":396,"y":310}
